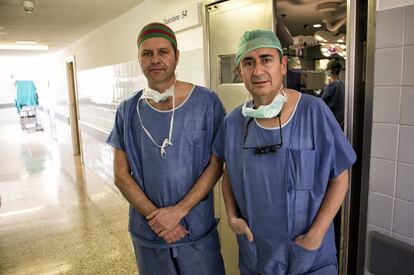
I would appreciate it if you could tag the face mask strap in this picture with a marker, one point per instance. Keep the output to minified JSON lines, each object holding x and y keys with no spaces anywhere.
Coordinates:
{"x":157,"y":96}
{"x":251,"y":112}
{"x":167,"y":141}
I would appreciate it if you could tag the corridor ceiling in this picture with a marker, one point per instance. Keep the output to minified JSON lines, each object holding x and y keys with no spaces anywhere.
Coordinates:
{"x":59,"y":23}
{"x":56,"y":23}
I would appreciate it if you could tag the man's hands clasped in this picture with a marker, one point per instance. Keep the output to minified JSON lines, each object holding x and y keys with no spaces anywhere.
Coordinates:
{"x":165,"y":222}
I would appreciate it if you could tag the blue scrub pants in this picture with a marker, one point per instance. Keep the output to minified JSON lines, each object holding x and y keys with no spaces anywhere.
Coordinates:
{"x":201,"y":258}
{"x":326,"y":270}
{"x":300,"y":262}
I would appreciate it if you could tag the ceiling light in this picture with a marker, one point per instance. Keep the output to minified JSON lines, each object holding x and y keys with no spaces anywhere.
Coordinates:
{"x":332,"y":47}
{"x":28,"y":6}
{"x":318,"y":37}
{"x":23,"y":47}
{"x":317,"y":25}
{"x":26,"y":42}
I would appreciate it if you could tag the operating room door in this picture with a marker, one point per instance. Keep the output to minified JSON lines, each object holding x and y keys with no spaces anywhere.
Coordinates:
{"x":227,"y":22}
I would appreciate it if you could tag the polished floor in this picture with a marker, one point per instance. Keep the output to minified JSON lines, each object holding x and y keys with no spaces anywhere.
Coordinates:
{"x":52,"y":222}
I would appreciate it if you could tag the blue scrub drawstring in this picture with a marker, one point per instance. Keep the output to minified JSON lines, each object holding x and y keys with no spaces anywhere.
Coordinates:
{"x":174,"y":252}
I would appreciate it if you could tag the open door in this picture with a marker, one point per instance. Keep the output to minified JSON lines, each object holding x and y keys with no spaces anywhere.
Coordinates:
{"x":224,"y":35}
{"x":228,"y":20}
{"x":73,"y":105}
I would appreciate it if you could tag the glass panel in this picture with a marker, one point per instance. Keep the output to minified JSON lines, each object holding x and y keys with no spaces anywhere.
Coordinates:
{"x":227,"y":69}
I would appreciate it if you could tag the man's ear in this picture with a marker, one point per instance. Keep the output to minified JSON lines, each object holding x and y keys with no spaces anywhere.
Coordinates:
{"x":177,"y":55}
{"x":284,"y":64}
{"x":238,"y":71}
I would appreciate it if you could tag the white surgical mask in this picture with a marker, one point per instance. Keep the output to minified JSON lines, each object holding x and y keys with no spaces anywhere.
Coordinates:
{"x":266,"y":111}
{"x":157,"y":96}
{"x":167,"y":141}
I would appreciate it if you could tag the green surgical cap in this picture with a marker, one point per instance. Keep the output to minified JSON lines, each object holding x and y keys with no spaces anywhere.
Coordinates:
{"x":256,"y":39}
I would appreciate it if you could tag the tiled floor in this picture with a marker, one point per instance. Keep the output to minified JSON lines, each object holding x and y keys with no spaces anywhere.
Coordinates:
{"x":52,"y":224}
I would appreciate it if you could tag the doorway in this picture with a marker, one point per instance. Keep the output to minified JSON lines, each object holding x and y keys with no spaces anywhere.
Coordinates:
{"x":223,"y":37}
{"x":73,"y":106}
{"x":314,"y":55}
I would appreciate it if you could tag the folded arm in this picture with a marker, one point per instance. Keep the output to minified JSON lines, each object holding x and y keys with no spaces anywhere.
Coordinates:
{"x":165,"y":219}
{"x":134,"y":194}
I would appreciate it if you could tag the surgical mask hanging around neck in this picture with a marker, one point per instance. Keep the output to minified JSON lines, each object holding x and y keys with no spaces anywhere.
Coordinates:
{"x":167,"y":141}
{"x":266,"y":111}
{"x":157,"y":96}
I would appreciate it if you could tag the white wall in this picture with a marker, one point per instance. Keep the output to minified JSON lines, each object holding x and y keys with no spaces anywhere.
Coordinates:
{"x":115,"y":42}
{"x":389,"y":4}
{"x":391,"y":187}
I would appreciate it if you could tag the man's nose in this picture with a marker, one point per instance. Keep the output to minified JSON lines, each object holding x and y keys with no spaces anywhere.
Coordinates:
{"x":258,"y":69}
{"x":155,"y":58}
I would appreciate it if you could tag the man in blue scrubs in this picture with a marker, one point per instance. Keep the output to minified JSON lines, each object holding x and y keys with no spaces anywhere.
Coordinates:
{"x":286,"y":168}
{"x":163,"y":164}
{"x":334,"y":92}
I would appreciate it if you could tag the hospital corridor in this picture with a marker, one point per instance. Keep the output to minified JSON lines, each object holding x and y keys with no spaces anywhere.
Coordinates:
{"x":117,"y":115}
{"x":52,"y":222}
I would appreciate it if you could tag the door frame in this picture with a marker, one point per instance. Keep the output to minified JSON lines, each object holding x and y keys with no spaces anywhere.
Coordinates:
{"x":365,"y":11}
{"x":358,"y":128}
{"x":70,"y":68}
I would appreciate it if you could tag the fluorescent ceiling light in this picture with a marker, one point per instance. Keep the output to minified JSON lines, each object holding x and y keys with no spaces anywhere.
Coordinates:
{"x":26,"y":42}
{"x":317,"y":25}
{"x":318,"y":37}
{"x":23,"y":47}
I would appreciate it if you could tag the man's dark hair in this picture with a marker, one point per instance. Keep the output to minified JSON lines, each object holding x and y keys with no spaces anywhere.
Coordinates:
{"x":334,"y":66}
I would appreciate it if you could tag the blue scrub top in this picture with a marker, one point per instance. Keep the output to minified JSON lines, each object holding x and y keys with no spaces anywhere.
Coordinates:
{"x":334,"y":97}
{"x":166,"y":181}
{"x":280,"y":194}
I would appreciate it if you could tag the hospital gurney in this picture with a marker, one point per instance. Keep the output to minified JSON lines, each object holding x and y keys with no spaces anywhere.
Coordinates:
{"x":29,"y":120}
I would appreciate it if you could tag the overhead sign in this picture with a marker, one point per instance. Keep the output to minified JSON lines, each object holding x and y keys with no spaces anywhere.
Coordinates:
{"x":184,"y":18}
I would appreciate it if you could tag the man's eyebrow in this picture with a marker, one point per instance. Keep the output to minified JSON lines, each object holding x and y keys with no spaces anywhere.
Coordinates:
{"x":266,"y":55}
{"x":247,"y":59}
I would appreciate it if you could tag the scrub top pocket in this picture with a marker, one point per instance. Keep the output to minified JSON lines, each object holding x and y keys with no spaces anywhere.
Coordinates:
{"x":193,"y":144}
{"x":301,"y":185}
{"x":247,"y":253}
{"x":326,"y":270}
{"x":301,"y":169}
{"x":300,"y":259}
{"x":201,"y":219}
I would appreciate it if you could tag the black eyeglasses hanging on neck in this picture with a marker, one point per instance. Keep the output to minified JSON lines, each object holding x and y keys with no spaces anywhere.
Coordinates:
{"x":264,"y":149}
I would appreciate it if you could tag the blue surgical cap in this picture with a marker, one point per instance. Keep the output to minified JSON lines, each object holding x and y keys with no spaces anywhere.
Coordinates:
{"x":256,"y":39}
